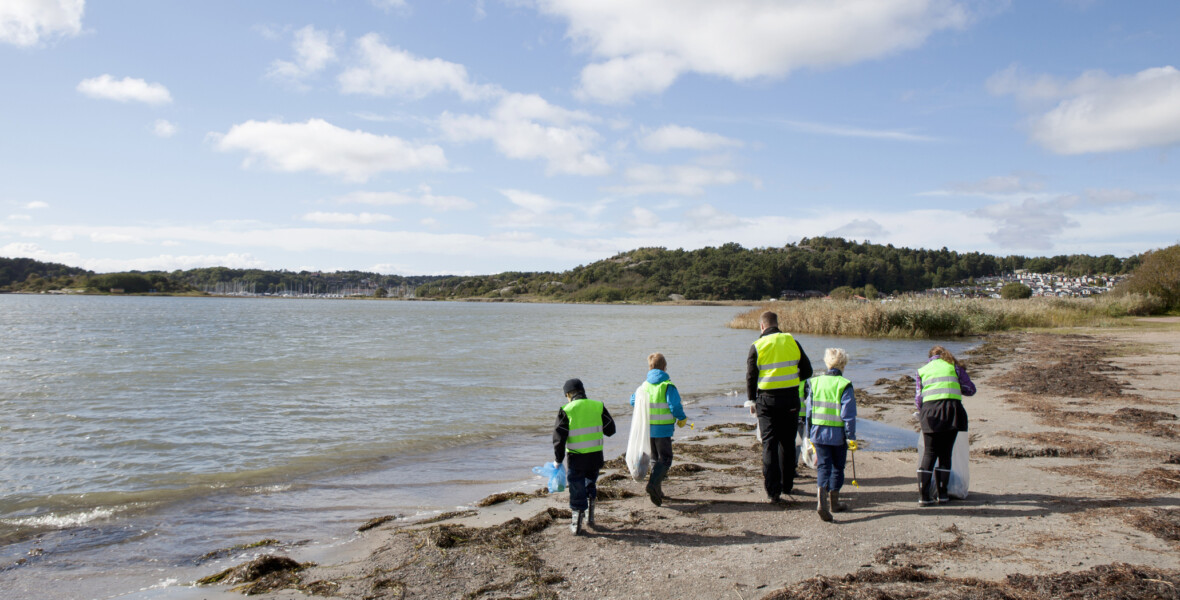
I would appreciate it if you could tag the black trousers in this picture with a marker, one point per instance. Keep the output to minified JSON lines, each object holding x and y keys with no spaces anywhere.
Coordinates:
{"x":937,"y":446}
{"x":778,"y":422}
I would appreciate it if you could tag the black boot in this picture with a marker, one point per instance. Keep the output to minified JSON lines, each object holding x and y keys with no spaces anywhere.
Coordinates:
{"x":925,"y":488}
{"x":590,"y":513}
{"x":654,"y":489}
{"x":942,"y":478}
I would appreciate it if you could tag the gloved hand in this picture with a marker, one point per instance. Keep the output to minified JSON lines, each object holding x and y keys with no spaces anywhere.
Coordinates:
{"x":556,"y":465}
{"x":680,"y":423}
{"x":852,"y":445}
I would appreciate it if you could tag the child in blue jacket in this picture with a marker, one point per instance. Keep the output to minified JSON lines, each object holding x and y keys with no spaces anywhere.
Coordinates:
{"x":831,"y":426}
{"x":666,"y":414}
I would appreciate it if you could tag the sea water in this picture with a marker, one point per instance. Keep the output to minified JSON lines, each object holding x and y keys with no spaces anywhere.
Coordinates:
{"x":138,"y":434}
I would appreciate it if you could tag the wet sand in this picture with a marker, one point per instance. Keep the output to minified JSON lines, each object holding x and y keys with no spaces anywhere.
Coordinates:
{"x":1075,"y":489}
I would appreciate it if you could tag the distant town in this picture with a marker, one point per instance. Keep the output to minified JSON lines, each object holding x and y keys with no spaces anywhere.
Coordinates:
{"x":1041,"y":284}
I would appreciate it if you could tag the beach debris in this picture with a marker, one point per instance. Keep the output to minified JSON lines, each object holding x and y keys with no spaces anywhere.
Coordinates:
{"x":227,"y":551}
{"x":517,"y":497}
{"x":377,"y":522}
{"x":907,"y":554}
{"x":263,"y":574}
{"x":1163,"y":523}
{"x":1117,"y":580}
{"x":737,"y":426}
{"x":682,"y":469}
{"x":452,"y":535}
{"x":456,"y":514}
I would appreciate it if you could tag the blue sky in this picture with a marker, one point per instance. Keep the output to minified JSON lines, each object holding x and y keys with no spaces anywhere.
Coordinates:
{"x":478,"y":136}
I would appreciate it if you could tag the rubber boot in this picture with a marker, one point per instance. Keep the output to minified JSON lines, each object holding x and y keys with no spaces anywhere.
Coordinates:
{"x":590,"y":513}
{"x":942,"y":478}
{"x":653,"y":483}
{"x":576,"y":521}
{"x":821,"y":496}
{"x":837,"y":506}
{"x":925,"y":488}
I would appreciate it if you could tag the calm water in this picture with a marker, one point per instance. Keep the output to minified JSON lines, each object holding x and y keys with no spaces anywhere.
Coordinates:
{"x":140,"y":433}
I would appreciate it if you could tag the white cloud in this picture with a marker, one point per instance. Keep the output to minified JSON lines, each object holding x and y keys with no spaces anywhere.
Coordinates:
{"x":314,"y":50}
{"x":1030,"y":223}
{"x":111,"y":237}
{"x":390,"y":5}
{"x":525,"y":126}
{"x":640,"y":218}
{"x":534,"y":203}
{"x":1114,"y":196}
{"x":425,"y":197}
{"x":335,"y":218}
{"x":1098,"y":112}
{"x":859,"y":229}
{"x":671,"y":137}
{"x":20,"y":217}
{"x":163,"y":128}
{"x":36,"y":205}
{"x":325,"y":148}
{"x":28,"y":22}
{"x":857,"y":132}
{"x":126,"y":89}
{"x":387,"y":71}
{"x":993,"y":187}
{"x":646,"y":46}
{"x":677,"y":180}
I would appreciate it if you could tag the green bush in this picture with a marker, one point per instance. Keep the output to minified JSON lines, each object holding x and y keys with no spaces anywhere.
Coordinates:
{"x":1158,"y":275}
{"x":1015,"y":291}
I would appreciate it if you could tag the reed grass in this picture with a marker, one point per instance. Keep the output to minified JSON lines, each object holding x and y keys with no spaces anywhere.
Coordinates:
{"x":946,"y":317}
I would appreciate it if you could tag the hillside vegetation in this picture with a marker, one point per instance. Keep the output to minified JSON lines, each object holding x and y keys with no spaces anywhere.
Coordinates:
{"x":731,"y":272}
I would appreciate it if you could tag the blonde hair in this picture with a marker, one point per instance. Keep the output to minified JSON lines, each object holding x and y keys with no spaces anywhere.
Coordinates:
{"x":944,"y":354}
{"x":655,"y":360}
{"x":835,"y":358}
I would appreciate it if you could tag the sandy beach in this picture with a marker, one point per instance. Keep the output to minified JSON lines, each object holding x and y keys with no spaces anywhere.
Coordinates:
{"x":1075,"y":488}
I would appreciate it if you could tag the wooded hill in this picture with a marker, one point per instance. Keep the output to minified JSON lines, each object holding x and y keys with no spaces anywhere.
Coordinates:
{"x":728,"y":272}
{"x":731,"y":272}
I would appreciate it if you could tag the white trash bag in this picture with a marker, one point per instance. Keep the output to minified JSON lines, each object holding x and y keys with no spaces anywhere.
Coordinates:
{"x":639,"y":442}
{"x":960,"y":467}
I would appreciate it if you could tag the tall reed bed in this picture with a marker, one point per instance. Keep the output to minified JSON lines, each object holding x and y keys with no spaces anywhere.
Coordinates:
{"x":943,"y":317}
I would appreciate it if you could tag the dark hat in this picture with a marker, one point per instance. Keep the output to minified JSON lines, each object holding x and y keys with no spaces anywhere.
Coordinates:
{"x":573,"y":385}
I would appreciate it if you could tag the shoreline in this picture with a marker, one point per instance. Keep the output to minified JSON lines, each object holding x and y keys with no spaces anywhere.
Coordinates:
{"x":1059,"y":484}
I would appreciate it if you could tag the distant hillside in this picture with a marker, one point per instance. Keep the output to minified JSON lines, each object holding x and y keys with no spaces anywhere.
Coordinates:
{"x":731,"y":272}
{"x":17,"y":272}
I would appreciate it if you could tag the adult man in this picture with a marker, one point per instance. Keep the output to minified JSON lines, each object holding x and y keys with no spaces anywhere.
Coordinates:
{"x":580,"y":427}
{"x":774,"y":367}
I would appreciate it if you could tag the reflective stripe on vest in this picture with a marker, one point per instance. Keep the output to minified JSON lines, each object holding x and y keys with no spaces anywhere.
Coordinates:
{"x":657,"y":403}
{"x":778,"y":361}
{"x":826,"y":391}
{"x":940,"y":381}
{"x":585,"y":417}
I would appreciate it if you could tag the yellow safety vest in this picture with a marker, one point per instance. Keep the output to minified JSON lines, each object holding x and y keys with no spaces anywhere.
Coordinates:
{"x":778,"y":361}
{"x":940,"y":381}
{"x":585,"y":417}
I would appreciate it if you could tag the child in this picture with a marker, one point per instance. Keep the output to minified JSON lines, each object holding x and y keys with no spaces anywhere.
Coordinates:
{"x":581,"y":425}
{"x":941,"y":385}
{"x":831,"y":418}
{"x":664,"y":410}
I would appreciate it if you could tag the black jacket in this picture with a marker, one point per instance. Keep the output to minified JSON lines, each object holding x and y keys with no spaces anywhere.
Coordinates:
{"x":773,"y":396}
{"x":561,"y":431}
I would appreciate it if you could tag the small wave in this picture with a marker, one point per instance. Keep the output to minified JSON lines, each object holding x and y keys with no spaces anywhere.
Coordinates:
{"x":164,"y":583}
{"x":63,"y":521}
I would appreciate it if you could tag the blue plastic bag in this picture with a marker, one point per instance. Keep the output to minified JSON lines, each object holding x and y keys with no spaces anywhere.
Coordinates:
{"x":556,"y":475}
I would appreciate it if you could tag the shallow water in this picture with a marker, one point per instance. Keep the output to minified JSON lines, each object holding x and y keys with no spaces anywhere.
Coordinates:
{"x":141,"y":433}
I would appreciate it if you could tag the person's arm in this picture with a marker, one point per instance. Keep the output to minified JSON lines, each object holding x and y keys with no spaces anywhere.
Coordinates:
{"x":752,"y":375}
{"x":561,"y":431}
{"x":805,"y":371}
{"x":608,"y":423}
{"x":673,"y":398}
{"x":965,"y":384}
{"x":918,"y":391}
{"x":848,"y":412}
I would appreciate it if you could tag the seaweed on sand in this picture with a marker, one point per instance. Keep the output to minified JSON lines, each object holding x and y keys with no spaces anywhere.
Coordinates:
{"x":263,"y":574}
{"x":1103,"y":582}
{"x":1163,"y":523}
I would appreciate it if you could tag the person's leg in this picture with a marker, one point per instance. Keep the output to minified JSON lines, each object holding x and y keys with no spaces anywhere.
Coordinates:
{"x":661,"y":459}
{"x":942,"y":473}
{"x":771,"y":475}
{"x":591,"y":494}
{"x":926,"y":469}
{"x":839,"y":460}
{"x":788,"y":459}
{"x":578,"y":498}
{"x":823,"y":473}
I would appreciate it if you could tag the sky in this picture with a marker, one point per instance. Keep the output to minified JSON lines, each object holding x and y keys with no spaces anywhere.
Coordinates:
{"x":419,"y":137}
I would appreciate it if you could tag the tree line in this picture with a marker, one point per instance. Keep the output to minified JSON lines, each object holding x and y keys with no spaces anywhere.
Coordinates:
{"x":731,"y":272}
{"x":726,"y":272}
